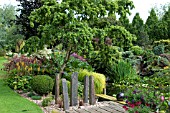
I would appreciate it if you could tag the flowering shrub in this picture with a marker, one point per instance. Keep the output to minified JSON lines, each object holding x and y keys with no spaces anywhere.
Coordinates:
{"x":22,"y":65}
{"x":75,"y":55}
{"x":145,"y":100}
{"x":20,"y":71}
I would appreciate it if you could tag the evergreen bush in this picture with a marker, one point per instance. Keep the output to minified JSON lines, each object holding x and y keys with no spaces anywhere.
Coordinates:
{"x":42,"y":84}
{"x":158,"y":49}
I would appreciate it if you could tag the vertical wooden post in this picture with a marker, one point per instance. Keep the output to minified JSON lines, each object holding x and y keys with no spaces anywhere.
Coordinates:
{"x":104,"y":91}
{"x":92,"y":99}
{"x":74,"y":89}
{"x":65,"y":94}
{"x":57,"y":90}
{"x":86,"y":89}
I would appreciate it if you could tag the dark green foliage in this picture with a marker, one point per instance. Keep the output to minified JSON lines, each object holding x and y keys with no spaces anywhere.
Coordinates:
{"x":25,"y":9}
{"x":138,"y":29}
{"x":158,"y":49}
{"x":103,"y":58}
{"x":2,"y":52}
{"x":31,"y":94}
{"x":35,"y":97}
{"x":42,"y":84}
{"x":151,"y":23}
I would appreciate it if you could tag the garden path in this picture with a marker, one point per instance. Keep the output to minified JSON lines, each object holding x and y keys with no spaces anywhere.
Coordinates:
{"x":107,"y":107}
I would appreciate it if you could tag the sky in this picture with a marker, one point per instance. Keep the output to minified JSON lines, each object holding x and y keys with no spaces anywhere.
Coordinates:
{"x":141,"y":6}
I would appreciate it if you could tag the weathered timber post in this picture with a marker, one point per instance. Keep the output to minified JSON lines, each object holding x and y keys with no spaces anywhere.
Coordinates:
{"x":57,"y":85}
{"x":92,"y":99}
{"x":74,"y":89}
{"x":65,"y":94}
{"x":86,"y":89}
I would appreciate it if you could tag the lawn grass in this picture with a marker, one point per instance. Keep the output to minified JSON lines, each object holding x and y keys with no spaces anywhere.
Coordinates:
{"x":2,"y":60}
{"x":11,"y":102}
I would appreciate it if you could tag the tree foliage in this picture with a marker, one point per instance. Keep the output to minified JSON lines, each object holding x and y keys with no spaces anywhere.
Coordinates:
{"x":69,"y":23}
{"x":24,"y":10}
{"x":8,"y":29}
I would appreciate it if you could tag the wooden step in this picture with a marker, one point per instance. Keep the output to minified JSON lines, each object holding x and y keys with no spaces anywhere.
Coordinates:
{"x":107,"y":97}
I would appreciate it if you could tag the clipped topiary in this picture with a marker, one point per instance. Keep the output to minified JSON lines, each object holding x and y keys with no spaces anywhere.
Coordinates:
{"x":99,"y":79}
{"x":42,"y":84}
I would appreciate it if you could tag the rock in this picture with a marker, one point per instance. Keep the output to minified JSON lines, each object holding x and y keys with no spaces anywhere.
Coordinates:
{"x":120,"y":96}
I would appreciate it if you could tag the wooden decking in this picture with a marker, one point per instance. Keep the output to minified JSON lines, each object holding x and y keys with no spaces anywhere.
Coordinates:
{"x":107,"y":107}
{"x":110,"y":98}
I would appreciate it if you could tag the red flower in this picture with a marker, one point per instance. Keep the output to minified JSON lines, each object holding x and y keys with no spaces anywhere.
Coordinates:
{"x":136,"y":112}
{"x":147,"y":104}
{"x":132,"y":105}
{"x":138,"y":103}
{"x":125,"y":107}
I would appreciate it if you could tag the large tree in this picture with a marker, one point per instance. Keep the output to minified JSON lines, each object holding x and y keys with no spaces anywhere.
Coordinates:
{"x":68,"y":23}
{"x":137,"y":27}
{"x":151,"y":24}
{"x":8,"y":29}
{"x":24,"y":10}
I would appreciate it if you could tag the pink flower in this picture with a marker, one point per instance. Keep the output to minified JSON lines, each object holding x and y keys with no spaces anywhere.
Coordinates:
{"x":162,"y":98}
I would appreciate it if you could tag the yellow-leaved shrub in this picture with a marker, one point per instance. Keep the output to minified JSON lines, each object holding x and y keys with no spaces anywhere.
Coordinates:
{"x":99,"y":79}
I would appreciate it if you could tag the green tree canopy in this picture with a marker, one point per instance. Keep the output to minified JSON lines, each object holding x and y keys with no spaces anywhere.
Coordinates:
{"x":151,"y":24}
{"x":25,"y":8}
{"x":68,"y":23}
{"x":8,"y":29}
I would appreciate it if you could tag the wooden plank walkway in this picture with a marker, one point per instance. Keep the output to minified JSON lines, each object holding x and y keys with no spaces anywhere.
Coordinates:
{"x":107,"y":107}
{"x":111,"y":98}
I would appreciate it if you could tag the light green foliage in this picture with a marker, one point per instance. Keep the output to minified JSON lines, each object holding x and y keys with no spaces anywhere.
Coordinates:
{"x":99,"y":79}
{"x":8,"y":36}
{"x":42,"y":84}
{"x":137,"y":50}
{"x":103,"y":58}
{"x":121,"y":71}
{"x":20,"y":104}
{"x":69,"y":23}
{"x":70,"y":27}
{"x":19,"y":82}
{"x":120,"y":36}
{"x":46,"y":102}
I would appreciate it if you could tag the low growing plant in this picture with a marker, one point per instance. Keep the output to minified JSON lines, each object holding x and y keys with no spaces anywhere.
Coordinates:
{"x":36,"y":97}
{"x":19,"y":82}
{"x":145,"y":100}
{"x":120,"y":71}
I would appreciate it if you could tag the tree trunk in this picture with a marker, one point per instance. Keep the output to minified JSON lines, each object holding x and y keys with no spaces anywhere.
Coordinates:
{"x":58,"y":76}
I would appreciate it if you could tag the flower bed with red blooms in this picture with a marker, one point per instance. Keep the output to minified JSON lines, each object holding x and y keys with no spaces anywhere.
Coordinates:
{"x":143,"y":100}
